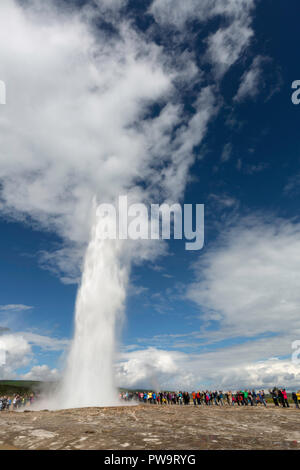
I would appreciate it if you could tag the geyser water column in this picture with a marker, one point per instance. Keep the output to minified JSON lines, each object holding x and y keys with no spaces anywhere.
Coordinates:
{"x":89,"y":376}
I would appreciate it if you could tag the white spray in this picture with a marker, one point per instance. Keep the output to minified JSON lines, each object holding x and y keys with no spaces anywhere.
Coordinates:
{"x":89,"y":376}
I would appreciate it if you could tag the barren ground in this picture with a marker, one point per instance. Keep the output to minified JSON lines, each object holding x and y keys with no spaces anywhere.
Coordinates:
{"x":152,"y":428}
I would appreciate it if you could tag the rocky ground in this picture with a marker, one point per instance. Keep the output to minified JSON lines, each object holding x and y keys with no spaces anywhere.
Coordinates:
{"x":152,"y":428}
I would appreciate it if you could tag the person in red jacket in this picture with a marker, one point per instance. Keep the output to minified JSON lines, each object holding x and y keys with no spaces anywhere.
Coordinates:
{"x":285,"y":398}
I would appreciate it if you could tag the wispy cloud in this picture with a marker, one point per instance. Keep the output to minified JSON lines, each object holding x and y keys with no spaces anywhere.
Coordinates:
{"x":227,"y":152}
{"x":224,"y":46}
{"x":12,"y":315}
{"x":224,"y":200}
{"x":293,"y":185}
{"x":15,"y":308}
{"x":262,"y":77}
{"x":227,"y":44}
{"x":251,"y":85}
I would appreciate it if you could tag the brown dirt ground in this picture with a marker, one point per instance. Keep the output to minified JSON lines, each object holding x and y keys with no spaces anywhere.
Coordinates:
{"x":152,"y":428}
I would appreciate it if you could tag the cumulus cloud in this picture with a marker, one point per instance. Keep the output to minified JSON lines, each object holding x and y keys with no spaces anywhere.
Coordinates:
{"x":147,"y":368}
{"x":256,"y":364}
{"x":228,"y":368}
{"x":41,"y":373}
{"x":19,"y":353}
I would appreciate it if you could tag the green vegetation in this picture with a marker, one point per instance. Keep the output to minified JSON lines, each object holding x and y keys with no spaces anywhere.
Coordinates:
{"x":20,"y":387}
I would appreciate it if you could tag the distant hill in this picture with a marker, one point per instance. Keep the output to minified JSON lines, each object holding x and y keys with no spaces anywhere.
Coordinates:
{"x":22,"y":387}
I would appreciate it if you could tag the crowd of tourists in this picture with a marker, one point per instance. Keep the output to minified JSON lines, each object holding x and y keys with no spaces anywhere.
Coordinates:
{"x":16,"y":402}
{"x":214,"y":398}
{"x":279,"y":397}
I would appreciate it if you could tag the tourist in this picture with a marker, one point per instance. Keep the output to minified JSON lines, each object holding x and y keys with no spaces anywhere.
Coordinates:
{"x":274,"y":395}
{"x":295,"y":399}
{"x":262,"y":399}
{"x":285,"y":398}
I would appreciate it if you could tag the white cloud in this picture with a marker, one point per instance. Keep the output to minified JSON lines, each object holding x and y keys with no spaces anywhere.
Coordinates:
{"x":65,"y":262}
{"x":226,"y":45}
{"x":252,"y":274}
{"x":19,"y":354}
{"x":41,"y":373}
{"x":46,"y":343}
{"x":188,"y":135}
{"x":146,"y":368}
{"x":261,"y":78}
{"x":228,"y":368}
{"x":252,"y":364}
{"x":177,"y":12}
{"x":251,"y":80}
{"x":15,"y":308}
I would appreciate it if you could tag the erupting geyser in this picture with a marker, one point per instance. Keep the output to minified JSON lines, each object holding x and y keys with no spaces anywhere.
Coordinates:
{"x":89,"y":377}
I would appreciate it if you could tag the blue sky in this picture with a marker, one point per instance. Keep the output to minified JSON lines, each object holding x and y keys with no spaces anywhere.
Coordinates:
{"x":224,"y":316}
